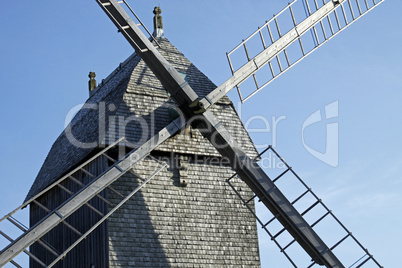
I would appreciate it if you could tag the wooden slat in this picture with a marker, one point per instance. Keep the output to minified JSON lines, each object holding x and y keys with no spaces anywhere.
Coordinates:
{"x":183,"y":95}
{"x":269,"y":53}
{"x":87,"y":193}
{"x":108,"y":214}
{"x":266,"y":190}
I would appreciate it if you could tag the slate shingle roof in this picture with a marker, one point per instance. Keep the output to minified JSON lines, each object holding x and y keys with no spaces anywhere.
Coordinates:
{"x":136,"y":106}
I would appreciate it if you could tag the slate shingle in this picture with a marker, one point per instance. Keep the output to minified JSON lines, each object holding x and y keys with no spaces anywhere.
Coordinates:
{"x":133,"y":98}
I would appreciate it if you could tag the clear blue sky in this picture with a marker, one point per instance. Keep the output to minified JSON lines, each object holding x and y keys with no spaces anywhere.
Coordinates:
{"x":48,"y":47}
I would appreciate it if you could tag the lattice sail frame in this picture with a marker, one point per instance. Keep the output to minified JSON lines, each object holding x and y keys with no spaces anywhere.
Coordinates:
{"x":83,"y":195}
{"x":100,"y":183}
{"x":304,"y":33}
{"x":312,"y":208}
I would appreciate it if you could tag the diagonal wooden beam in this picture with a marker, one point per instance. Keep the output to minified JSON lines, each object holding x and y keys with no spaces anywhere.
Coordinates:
{"x":271,"y":52}
{"x":87,"y":193}
{"x":209,"y":126}
{"x":252,"y":174}
{"x":163,"y":70}
{"x":221,"y":139}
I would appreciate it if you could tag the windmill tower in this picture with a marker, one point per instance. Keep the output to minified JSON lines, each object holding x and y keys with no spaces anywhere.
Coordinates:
{"x":131,"y":138}
{"x":186,"y":216}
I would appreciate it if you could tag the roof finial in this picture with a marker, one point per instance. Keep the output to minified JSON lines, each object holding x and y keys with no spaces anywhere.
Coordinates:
{"x":158,"y":23}
{"x":92,"y":82}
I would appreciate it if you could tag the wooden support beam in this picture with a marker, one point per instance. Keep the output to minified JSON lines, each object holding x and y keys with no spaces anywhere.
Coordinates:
{"x":270,"y":53}
{"x":87,"y":193}
{"x":163,"y":70}
{"x":213,"y":130}
{"x":265,"y":189}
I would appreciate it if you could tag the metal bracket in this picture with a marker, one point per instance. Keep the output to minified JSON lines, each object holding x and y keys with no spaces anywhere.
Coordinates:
{"x":194,"y":108}
{"x":209,"y":100}
{"x":58,"y":214}
{"x":183,"y":171}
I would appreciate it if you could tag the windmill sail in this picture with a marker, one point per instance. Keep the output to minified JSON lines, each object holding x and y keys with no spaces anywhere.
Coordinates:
{"x":311,"y":207}
{"x":286,"y":39}
{"x":209,"y":126}
{"x":81,"y":198}
{"x":213,"y":130}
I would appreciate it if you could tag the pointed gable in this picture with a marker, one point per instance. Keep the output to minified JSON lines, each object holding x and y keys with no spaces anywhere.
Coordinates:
{"x":132,"y":103}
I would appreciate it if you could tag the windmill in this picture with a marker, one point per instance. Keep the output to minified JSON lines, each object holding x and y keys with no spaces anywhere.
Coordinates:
{"x":197,"y":108}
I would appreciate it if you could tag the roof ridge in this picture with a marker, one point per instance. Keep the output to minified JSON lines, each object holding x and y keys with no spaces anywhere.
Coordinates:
{"x":112,"y":74}
{"x":138,"y":97}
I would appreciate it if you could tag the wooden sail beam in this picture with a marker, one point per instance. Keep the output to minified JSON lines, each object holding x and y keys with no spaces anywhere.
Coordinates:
{"x":211,"y":128}
{"x":220,"y":138}
{"x":163,"y":70}
{"x":270,"y":53}
{"x":87,"y":193}
{"x":252,"y":174}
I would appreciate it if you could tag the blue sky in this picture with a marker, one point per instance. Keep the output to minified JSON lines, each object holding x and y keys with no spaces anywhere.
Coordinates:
{"x":48,"y":47}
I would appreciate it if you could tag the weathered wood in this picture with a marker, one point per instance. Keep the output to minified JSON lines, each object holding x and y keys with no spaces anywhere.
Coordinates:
{"x":265,"y":189}
{"x":85,"y":254}
{"x":269,"y":53}
{"x":104,"y":218}
{"x":182,"y":93}
{"x":212,"y":129}
{"x":26,"y":203}
{"x":163,"y":70}
{"x":87,"y":193}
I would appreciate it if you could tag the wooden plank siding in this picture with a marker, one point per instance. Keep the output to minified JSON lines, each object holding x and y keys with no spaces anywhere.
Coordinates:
{"x":92,"y":251}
